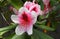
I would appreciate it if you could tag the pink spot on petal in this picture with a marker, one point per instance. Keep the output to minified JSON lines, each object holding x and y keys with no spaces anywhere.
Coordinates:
{"x":34,"y":9}
{"x":25,"y":19}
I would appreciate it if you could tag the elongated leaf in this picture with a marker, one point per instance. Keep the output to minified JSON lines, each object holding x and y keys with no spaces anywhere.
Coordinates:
{"x":45,"y":27}
{"x":1,"y":33}
{"x":40,"y":3}
{"x":24,"y":36}
{"x":10,"y":36}
{"x":42,"y":22}
{"x":18,"y":37}
{"x":40,"y":35}
{"x":1,"y":36}
{"x":11,"y":26}
{"x":44,"y":16}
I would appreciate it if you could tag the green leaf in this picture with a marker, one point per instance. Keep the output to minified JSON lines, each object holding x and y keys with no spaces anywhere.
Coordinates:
{"x":58,"y":7}
{"x":41,"y":4}
{"x":24,"y":36}
{"x":1,"y":37}
{"x":6,"y":29}
{"x":16,"y":3}
{"x":11,"y":26}
{"x":1,"y":33}
{"x":45,"y":27}
{"x":10,"y":36}
{"x":18,"y":37}
{"x":44,"y":16}
{"x":40,"y":35}
{"x":1,"y":0}
{"x":42,"y":22}
{"x":53,"y":2}
{"x":14,"y":36}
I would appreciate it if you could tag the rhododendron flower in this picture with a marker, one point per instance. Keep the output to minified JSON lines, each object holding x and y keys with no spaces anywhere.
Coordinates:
{"x":25,"y":20}
{"x":31,"y":6}
{"x":46,"y":6}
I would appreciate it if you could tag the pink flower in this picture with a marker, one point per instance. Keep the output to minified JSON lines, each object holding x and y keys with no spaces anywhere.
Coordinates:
{"x":25,"y":20}
{"x":31,"y":6}
{"x":46,"y":6}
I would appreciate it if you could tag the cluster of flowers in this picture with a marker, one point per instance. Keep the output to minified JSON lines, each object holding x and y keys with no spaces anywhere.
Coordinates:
{"x":26,"y":17}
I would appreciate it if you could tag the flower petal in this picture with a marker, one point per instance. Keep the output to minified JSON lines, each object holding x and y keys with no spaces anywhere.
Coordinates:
{"x":14,"y":18}
{"x":34,"y":21}
{"x":22,"y":9}
{"x":27,"y":3}
{"x":19,"y":30}
{"x":30,"y":30}
{"x":34,"y":15}
{"x":37,"y":8}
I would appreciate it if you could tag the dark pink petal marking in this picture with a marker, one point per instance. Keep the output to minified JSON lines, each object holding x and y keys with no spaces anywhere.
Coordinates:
{"x":25,"y":19}
{"x":35,"y":9}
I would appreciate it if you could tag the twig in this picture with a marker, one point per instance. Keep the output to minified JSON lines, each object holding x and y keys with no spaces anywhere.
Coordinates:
{"x":4,"y":18}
